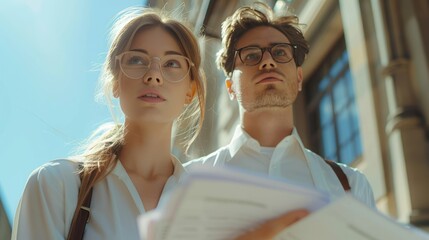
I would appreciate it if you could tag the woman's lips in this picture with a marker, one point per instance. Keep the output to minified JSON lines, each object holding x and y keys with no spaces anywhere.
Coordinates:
{"x":151,"y":96}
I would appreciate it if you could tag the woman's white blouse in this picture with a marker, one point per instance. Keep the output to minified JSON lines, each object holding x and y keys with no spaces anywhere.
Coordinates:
{"x":50,"y":197}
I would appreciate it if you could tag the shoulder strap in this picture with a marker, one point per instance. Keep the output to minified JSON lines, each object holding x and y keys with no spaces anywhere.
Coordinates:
{"x":77,"y":229}
{"x":340,"y":174}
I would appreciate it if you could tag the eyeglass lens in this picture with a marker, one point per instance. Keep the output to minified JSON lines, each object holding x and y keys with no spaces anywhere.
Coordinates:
{"x":173,"y":68}
{"x":281,"y":53}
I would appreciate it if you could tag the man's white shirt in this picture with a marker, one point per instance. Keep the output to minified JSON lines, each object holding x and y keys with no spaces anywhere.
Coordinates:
{"x":288,"y":160}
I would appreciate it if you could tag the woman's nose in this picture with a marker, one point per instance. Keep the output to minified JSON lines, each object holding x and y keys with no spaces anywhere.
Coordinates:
{"x":153,"y":74}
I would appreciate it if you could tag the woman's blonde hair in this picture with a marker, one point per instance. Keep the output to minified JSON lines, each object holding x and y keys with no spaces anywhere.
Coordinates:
{"x":99,"y":157}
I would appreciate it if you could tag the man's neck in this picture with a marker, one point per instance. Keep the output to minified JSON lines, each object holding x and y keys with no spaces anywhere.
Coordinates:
{"x":268,"y":127}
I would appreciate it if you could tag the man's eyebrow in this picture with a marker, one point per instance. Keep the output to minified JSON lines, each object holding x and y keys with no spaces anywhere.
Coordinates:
{"x":270,"y":44}
{"x":252,"y":45}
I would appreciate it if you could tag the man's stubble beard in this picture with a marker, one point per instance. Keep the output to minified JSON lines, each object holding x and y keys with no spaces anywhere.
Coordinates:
{"x":271,"y":98}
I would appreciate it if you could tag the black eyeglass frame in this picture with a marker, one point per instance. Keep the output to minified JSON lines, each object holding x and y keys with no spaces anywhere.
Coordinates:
{"x":293,"y":46}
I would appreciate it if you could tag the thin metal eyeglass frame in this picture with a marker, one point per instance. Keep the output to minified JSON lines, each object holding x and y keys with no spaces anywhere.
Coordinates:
{"x":118,"y":58}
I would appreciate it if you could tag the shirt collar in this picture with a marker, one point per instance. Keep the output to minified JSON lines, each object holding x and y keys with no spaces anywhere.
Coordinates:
{"x":295,"y":136}
{"x":241,"y":138}
{"x":178,"y":173}
{"x":179,"y":170}
{"x":119,"y":170}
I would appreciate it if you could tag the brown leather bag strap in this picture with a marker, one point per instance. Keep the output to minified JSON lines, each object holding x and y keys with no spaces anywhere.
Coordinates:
{"x":340,"y":174}
{"x":78,"y":228}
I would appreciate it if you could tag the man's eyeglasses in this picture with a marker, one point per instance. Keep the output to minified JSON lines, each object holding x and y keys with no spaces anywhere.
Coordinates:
{"x":252,"y":55}
{"x":135,"y":65}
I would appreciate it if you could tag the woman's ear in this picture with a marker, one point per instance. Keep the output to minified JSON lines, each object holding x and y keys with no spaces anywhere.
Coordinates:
{"x":191,"y":92}
{"x":228,"y":84}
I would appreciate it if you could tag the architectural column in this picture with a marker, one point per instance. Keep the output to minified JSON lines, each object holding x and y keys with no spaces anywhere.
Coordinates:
{"x":405,"y":125}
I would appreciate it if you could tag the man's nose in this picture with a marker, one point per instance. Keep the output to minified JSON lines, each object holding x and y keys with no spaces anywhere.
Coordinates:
{"x":267,"y":61}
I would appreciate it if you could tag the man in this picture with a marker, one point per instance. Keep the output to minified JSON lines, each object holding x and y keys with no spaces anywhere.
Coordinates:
{"x":262,"y":56}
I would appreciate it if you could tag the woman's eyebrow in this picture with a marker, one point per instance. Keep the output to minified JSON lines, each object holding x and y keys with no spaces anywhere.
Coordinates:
{"x":173,"y":53}
{"x":139,"y":50}
{"x":165,"y":53}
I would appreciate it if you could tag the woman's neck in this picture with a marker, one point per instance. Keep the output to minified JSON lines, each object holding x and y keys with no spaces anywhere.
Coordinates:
{"x":147,"y":151}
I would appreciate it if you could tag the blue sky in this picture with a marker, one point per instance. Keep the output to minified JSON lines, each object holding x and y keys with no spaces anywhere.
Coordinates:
{"x":50,"y":56}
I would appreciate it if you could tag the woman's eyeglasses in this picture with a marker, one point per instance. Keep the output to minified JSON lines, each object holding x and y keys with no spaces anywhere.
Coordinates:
{"x":135,"y":65}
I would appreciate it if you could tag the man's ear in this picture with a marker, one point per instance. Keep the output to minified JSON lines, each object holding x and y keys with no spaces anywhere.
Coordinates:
{"x":115,"y":88}
{"x":191,"y":92}
{"x":228,"y":84}
{"x":300,"y":77}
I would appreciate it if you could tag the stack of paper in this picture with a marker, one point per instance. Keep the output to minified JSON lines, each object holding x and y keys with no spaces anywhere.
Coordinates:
{"x":216,"y":203}
{"x":347,"y":218}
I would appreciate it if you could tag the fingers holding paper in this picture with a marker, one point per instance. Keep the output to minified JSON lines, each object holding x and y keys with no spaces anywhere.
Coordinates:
{"x":271,"y":228}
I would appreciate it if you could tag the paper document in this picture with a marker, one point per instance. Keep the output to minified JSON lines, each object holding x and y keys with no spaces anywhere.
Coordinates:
{"x":347,"y":218}
{"x":217,"y":204}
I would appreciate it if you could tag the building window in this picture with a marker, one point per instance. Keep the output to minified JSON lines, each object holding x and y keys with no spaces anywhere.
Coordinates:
{"x":334,"y":126}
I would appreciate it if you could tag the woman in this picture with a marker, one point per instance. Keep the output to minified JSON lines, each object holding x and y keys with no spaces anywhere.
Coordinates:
{"x":153,"y":68}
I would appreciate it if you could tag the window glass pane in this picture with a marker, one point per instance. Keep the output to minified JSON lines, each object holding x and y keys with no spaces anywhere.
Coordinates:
{"x":337,"y":67}
{"x":323,"y":83}
{"x":332,"y":157}
{"x":349,"y":84}
{"x":325,"y":110}
{"x":347,"y":153}
{"x":358,"y":144}
{"x":328,"y":138}
{"x":354,"y":117}
{"x":340,"y":95}
{"x":344,"y":128}
{"x":345,"y":56}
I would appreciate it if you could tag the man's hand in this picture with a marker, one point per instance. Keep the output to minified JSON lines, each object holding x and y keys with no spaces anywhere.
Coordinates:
{"x":271,"y":228}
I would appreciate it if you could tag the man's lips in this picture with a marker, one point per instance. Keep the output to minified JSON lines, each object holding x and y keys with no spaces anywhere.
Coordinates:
{"x":269,"y":78}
